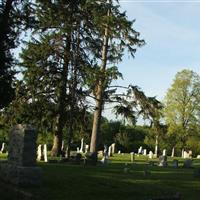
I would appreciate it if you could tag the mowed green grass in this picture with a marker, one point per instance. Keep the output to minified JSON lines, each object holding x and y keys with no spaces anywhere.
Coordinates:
{"x":110,"y":182}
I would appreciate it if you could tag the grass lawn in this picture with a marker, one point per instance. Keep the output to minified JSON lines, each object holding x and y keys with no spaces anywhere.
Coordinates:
{"x":110,"y":182}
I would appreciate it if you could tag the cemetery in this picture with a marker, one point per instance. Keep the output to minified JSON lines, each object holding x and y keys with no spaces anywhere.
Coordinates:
{"x":99,"y":100}
{"x":115,"y":176}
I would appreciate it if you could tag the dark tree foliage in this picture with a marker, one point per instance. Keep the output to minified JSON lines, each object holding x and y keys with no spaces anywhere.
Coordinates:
{"x":13,"y":16}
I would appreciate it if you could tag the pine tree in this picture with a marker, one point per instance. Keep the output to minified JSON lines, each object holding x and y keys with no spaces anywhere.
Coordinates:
{"x":116,"y":34}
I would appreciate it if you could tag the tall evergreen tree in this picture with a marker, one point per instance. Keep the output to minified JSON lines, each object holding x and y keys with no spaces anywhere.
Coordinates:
{"x":7,"y":42}
{"x":13,"y":16}
{"x":116,"y":33}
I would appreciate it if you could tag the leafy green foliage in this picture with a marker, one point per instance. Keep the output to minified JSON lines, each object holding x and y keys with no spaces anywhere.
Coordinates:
{"x":182,"y":105}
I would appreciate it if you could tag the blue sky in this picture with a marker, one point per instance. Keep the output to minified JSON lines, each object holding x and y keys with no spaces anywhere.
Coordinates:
{"x":171,"y":30}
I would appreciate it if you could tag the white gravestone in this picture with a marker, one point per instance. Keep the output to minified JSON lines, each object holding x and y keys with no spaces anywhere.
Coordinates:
{"x":150,"y":154}
{"x":39,"y":152}
{"x":105,"y":158}
{"x":164,"y":152}
{"x":113,"y":147}
{"x":132,"y":156}
{"x":140,"y":150}
{"x":145,"y":152}
{"x":163,"y":161}
{"x":110,"y":151}
{"x":45,"y":153}
{"x":86,"y":148}
{"x":2,"y":147}
{"x":186,"y":155}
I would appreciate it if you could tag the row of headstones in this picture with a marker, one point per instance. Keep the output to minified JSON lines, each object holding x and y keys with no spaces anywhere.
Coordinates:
{"x":106,"y":153}
{"x":42,"y":153}
{"x":184,"y":155}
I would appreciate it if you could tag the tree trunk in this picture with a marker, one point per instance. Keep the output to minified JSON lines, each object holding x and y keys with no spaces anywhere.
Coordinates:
{"x":60,"y":122}
{"x":57,"y":143}
{"x":99,"y":95}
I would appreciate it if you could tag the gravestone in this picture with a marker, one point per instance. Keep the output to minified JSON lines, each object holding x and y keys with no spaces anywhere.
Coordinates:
{"x":150,"y":154}
{"x":42,"y":153}
{"x":145,"y":152}
{"x":77,"y":150}
{"x":163,"y":161}
{"x":45,"y":153}
{"x":105,"y":158}
{"x":39,"y":152}
{"x":164,"y":152}
{"x":119,"y":152}
{"x":2,"y":148}
{"x":175,"y":163}
{"x":21,"y":169}
{"x":132,"y":156}
{"x":140,"y":150}
{"x":198,"y":156}
{"x":113,"y":147}
{"x":86,"y":148}
{"x":110,"y":151}
{"x":186,"y":155}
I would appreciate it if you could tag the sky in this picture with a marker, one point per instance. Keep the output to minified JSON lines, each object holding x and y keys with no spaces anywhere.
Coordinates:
{"x":171,"y":30}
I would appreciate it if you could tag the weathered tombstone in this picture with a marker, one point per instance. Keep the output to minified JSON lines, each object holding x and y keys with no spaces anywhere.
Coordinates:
{"x":175,"y":163}
{"x":145,"y":152}
{"x":198,"y":156}
{"x":77,"y":149}
{"x":150,"y":154}
{"x":186,"y":155}
{"x":105,"y":158}
{"x":45,"y":153}
{"x":110,"y":151}
{"x":164,"y":152}
{"x":140,"y":150}
{"x":21,"y":166}
{"x":86,"y":148}
{"x":119,"y":152}
{"x":113,"y":147}
{"x":2,"y":148}
{"x":187,"y":163}
{"x":132,"y":156}
{"x":163,"y":161}
{"x":39,"y":152}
